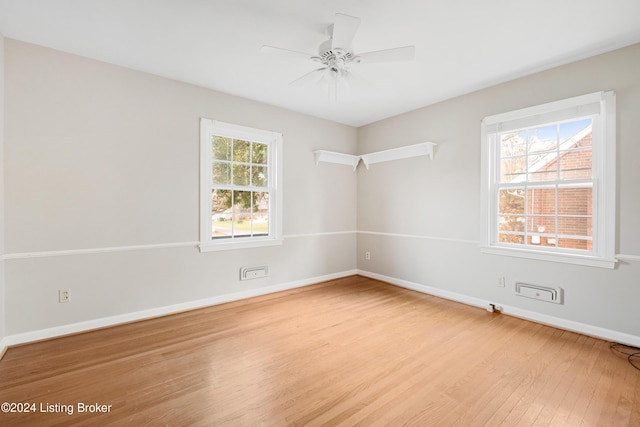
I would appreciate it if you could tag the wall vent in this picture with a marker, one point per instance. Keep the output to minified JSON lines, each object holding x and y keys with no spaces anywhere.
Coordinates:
{"x":247,"y":273}
{"x":542,"y":293}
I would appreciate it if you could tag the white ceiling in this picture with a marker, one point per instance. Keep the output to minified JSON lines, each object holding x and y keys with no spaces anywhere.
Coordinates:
{"x":461,"y":45}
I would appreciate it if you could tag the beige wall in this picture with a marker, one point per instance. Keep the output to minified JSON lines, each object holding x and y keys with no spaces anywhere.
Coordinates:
{"x":428,"y":211}
{"x":99,"y":156}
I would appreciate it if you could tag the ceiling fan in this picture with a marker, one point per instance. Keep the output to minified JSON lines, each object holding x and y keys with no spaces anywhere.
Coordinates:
{"x":336,"y":55}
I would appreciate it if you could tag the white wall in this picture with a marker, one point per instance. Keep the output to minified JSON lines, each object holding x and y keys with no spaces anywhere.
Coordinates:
{"x":98,"y":156}
{"x":428,"y":211}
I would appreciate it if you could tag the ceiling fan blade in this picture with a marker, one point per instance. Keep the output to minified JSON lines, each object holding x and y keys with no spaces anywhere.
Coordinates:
{"x":405,"y":53}
{"x":283,"y":51}
{"x":311,"y":77}
{"x":344,"y":29}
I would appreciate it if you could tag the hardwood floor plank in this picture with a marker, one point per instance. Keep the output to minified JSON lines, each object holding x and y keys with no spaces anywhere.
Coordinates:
{"x":352,"y":351}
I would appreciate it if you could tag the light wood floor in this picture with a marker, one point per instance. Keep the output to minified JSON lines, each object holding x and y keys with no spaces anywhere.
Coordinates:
{"x":353,"y":351}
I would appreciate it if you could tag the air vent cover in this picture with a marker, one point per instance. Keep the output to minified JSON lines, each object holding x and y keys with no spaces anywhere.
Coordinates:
{"x":541,"y":293}
{"x":255,"y":272}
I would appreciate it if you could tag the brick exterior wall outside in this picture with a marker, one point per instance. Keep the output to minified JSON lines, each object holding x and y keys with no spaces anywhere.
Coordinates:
{"x":575,"y":163}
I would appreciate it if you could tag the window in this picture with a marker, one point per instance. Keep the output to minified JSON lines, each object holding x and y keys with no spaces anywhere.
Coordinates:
{"x":241,"y":176}
{"x":548,"y":181}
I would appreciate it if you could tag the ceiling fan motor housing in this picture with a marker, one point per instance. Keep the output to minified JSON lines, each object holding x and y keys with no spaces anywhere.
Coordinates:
{"x":335,"y":57}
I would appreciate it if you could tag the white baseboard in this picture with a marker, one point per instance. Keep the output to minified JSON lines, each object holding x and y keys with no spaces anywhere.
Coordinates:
{"x":104,"y":322}
{"x":557,"y":322}
{"x":582,"y":328}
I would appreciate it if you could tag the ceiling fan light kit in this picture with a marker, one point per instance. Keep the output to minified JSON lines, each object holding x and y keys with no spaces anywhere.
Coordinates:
{"x":336,"y":55}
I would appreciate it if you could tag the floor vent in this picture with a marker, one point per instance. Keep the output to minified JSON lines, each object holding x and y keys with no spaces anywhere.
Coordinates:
{"x":247,"y":273}
{"x":542,"y":293}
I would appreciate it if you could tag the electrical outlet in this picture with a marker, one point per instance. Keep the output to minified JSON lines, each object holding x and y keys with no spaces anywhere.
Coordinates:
{"x":367,"y":255}
{"x":501,"y":281}
{"x":64,"y":295}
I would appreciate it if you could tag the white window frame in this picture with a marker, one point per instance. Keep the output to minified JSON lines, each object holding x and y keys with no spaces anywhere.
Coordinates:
{"x":209,"y":128}
{"x":601,"y":107}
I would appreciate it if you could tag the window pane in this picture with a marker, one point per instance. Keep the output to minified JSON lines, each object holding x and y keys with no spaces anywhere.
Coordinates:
{"x":241,"y":174}
{"x":575,"y":164}
{"x":511,"y":201}
{"x":542,"y":171}
{"x":541,"y":201}
{"x":542,"y":140}
{"x":259,"y":176}
{"x":575,"y":226}
{"x":577,"y":129}
{"x":542,"y":161}
{"x":575,"y":155}
{"x":513,"y":144}
{"x":260,"y":153}
{"x":220,"y":201}
{"x":220,"y":213}
{"x":241,"y":213}
{"x":574,"y":201}
{"x":513,"y":170}
{"x":543,"y":167}
{"x":260,"y":213}
{"x":221,"y":148}
{"x":241,"y":151}
{"x":511,"y":223}
{"x":510,"y":238}
{"x":221,"y":173}
{"x":542,"y":224}
{"x":584,"y":245}
{"x":575,"y":210}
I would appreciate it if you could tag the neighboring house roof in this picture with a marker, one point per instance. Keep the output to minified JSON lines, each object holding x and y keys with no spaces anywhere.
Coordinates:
{"x":552,"y":156}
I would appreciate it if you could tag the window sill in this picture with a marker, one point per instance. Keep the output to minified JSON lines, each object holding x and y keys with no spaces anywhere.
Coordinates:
{"x":233,"y":245}
{"x":576,"y":259}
